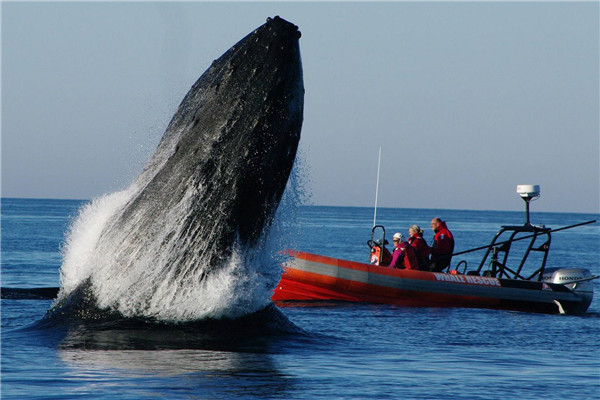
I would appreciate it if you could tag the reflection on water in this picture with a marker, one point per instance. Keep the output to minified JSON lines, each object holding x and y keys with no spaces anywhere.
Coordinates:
{"x":258,"y":333}
{"x":168,"y":362}
{"x":206,"y":359}
{"x":197,"y":373}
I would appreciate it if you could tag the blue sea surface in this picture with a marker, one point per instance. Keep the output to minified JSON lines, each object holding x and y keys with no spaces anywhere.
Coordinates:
{"x":350,"y":351}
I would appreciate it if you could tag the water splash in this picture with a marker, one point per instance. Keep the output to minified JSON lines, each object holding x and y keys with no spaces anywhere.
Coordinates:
{"x":152,"y":286}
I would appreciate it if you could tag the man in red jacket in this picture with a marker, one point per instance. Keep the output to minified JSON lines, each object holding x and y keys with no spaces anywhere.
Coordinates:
{"x":442,"y":247}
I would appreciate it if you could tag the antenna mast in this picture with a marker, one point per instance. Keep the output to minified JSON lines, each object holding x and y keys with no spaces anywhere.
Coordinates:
{"x":377,"y":188}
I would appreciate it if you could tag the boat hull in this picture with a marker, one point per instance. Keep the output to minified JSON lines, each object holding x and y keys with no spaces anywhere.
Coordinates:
{"x":311,"y":277}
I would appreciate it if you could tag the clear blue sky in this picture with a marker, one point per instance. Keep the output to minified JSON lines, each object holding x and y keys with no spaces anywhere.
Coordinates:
{"x":467,"y":99}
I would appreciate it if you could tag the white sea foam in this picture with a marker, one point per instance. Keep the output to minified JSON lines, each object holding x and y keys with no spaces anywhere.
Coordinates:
{"x":79,"y":252}
{"x":151,"y":273}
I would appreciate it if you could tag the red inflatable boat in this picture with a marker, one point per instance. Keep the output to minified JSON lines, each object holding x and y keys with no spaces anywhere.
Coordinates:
{"x":309,"y":277}
{"x":312,"y":277}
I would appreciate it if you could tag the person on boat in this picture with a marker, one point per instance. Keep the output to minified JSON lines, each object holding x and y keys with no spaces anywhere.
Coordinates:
{"x":420,"y":245}
{"x":442,"y":247}
{"x":404,"y":256}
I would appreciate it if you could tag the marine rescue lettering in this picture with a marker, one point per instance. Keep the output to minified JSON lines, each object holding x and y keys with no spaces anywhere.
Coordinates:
{"x":468,"y":279}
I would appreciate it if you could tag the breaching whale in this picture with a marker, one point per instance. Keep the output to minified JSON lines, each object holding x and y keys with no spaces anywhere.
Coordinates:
{"x":186,"y":236}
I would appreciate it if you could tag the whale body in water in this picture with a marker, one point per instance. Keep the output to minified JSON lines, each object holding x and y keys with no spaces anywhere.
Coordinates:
{"x":186,"y":240}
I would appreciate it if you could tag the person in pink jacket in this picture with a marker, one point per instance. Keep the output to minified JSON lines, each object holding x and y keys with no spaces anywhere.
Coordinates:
{"x":404,"y":256}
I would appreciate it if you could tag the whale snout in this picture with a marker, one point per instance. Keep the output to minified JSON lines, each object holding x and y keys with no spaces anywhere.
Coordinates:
{"x":277,"y":20}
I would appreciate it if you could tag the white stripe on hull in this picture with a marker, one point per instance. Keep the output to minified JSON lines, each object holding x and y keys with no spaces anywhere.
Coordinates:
{"x":485,"y":290}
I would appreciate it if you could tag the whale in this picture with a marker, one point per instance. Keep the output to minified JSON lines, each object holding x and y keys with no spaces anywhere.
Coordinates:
{"x":186,"y":240}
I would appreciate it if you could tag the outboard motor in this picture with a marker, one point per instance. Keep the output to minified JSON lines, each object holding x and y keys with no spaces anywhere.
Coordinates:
{"x":579,"y":280}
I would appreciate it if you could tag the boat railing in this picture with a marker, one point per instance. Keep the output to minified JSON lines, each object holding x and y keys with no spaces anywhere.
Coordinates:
{"x":498,"y":251}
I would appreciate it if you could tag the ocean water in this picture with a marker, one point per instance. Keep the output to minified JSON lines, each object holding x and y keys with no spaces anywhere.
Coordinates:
{"x":341,"y":351}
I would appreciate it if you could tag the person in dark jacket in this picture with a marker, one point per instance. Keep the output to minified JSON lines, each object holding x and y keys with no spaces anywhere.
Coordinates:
{"x":404,"y":256}
{"x":442,"y":247}
{"x":421,"y":247}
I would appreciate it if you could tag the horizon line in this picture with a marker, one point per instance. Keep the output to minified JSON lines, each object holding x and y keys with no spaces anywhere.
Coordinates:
{"x":340,"y":206}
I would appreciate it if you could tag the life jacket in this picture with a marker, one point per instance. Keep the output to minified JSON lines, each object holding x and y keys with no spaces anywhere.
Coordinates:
{"x":405,"y":257}
{"x":379,"y":257}
{"x":410,"y":257}
{"x":443,"y":241}
{"x":421,"y":249}
{"x":442,"y":247}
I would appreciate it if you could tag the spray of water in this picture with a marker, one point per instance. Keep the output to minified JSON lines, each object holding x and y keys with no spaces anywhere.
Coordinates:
{"x":146,"y":275}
